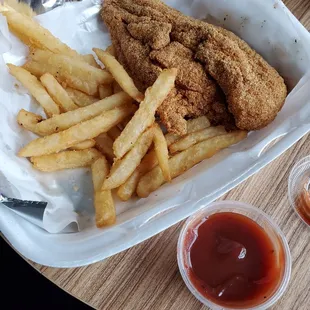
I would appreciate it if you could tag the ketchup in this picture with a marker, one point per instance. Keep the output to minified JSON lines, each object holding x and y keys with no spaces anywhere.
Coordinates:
{"x":233,"y":262}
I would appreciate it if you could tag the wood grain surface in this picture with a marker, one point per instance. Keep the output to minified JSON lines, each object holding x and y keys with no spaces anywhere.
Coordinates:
{"x":147,"y":276}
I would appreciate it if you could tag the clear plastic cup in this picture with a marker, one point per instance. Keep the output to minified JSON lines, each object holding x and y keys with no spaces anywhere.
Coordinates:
{"x":273,"y":231}
{"x":299,"y":181}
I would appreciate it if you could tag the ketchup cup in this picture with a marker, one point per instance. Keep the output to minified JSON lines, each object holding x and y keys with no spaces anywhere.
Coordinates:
{"x":188,"y":256}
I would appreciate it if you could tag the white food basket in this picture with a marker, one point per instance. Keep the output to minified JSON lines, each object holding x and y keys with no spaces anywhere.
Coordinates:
{"x":266,"y":25}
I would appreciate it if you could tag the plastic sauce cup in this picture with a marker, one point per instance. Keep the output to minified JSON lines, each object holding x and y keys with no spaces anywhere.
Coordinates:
{"x":298,"y":189}
{"x":273,"y":231}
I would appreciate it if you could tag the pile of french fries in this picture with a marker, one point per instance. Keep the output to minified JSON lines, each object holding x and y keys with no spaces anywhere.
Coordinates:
{"x":92,"y":121}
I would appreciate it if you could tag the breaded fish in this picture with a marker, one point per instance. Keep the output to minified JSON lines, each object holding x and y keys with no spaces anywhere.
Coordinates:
{"x":219,"y":75}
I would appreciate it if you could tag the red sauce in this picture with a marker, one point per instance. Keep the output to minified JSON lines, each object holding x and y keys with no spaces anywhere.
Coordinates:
{"x":303,"y":205}
{"x":233,"y":262}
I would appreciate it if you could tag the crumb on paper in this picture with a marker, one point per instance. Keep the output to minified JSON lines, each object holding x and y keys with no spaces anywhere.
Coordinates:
{"x":76,"y":188}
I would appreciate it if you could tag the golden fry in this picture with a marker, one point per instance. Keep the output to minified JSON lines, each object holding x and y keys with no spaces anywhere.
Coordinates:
{"x":161,"y":150}
{"x":126,"y":190}
{"x":185,"y":160}
{"x":193,"y":125}
{"x":38,"y":69}
{"x":104,"y":204}
{"x":78,"y":133}
{"x":144,"y":117}
{"x":119,"y":74}
{"x":87,"y":144}
{"x":195,"y":137}
{"x":36,"y":89}
{"x":71,"y":118}
{"x":65,"y":160}
{"x":58,"y":94}
{"x":28,"y":120}
{"x":81,"y":99}
{"x":123,"y":168}
{"x":73,"y":72}
{"x":34,"y":35}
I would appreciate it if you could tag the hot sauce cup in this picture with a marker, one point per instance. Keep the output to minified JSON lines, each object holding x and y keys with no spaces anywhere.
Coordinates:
{"x":233,"y":256}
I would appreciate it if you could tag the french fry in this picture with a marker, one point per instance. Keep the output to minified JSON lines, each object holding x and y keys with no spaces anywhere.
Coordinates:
{"x":119,"y":74}
{"x":71,"y":118}
{"x":73,"y":72}
{"x":36,"y":89}
{"x":34,"y":35}
{"x":105,"y":145}
{"x":65,"y":160}
{"x":161,"y":150}
{"x":87,"y":144}
{"x":38,"y":69}
{"x":116,"y":88}
{"x":75,"y":134}
{"x":123,"y":168}
{"x":58,"y":94}
{"x":63,"y":76}
{"x":144,"y":117}
{"x":104,"y":205}
{"x":105,"y":91}
{"x":114,"y":132}
{"x":81,"y":99}
{"x":195,"y":137}
{"x":111,"y":50}
{"x":17,"y":6}
{"x":185,"y":160}
{"x":126,"y":190}
{"x":28,"y":120}
{"x":193,"y":125}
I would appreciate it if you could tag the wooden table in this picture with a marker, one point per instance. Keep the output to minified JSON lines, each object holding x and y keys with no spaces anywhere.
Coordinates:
{"x":147,"y":277}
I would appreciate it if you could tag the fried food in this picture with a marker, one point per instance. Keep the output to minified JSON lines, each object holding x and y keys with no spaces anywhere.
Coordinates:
{"x":148,"y":36}
{"x":57,"y":92}
{"x":185,"y":160}
{"x":104,"y":204}
{"x":77,"y":74}
{"x":144,"y":117}
{"x":195,"y":137}
{"x":161,"y":150}
{"x":65,"y":160}
{"x":66,"y":120}
{"x":86,"y":130}
{"x":84,"y":145}
{"x":34,"y":35}
{"x":123,"y":168}
{"x":81,"y":99}
{"x":119,"y":73}
{"x":36,"y":89}
{"x":127,"y":189}
{"x":192,"y":125}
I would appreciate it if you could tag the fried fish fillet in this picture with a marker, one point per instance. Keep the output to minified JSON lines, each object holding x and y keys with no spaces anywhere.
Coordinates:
{"x":219,"y":75}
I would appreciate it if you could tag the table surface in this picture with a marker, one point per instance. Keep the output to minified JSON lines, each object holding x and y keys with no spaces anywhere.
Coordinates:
{"x":147,"y":276}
